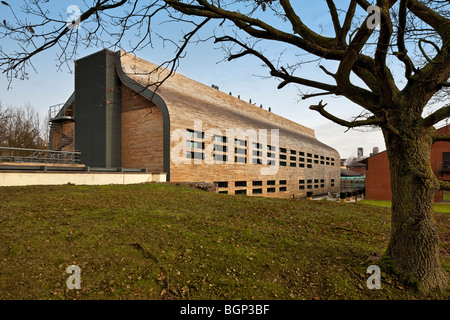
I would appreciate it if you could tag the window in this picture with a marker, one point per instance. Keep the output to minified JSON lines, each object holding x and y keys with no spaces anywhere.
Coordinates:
{"x":220,"y":148}
{"x":309,"y":155}
{"x":257,"y":183}
{"x":282,"y":163}
{"x":309,"y":166}
{"x":283,"y":150}
{"x":293,"y":152}
{"x":321,"y":157}
{"x":270,"y":155}
{"x":309,"y":187}
{"x":301,"y":187}
{"x":240,"y":142}
{"x":271,"y":148}
{"x":240,"y":160}
{"x":240,"y":151}
{"x":316,"y":180}
{"x":316,"y":186}
{"x":257,"y":153}
{"x":240,"y":192}
{"x":316,"y":156}
{"x":283,"y":182}
{"x":257,"y":161}
{"x":293,"y":158}
{"x":195,"y":144}
{"x":309,"y":160}
{"x":301,"y":165}
{"x":293,"y":164}
{"x":322,"y":186}
{"x":316,"y":161}
{"x":301,"y":181}
{"x":271,"y":190}
{"x":301,"y":153}
{"x":322,"y":180}
{"x":220,"y":138}
{"x":271,"y":182}
{"x":282,"y":157}
{"x":222,"y":184}
{"x":328,"y":163}
{"x":257,"y":191}
{"x":257,"y":145}
{"x":322,"y":162}
{"x":283,"y":189}
{"x":224,"y":192}
{"x":309,"y":181}
{"x":220,"y":157}
{"x":195,"y":134}
{"x":301,"y":159}
{"x":271,"y":162}
{"x":195,"y":155}
{"x":240,"y":183}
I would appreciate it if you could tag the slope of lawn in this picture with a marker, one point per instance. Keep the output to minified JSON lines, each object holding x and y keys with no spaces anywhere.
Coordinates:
{"x":166,"y":241}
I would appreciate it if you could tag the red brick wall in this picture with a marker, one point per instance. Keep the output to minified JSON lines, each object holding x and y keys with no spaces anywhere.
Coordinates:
{"x":378,"y":181}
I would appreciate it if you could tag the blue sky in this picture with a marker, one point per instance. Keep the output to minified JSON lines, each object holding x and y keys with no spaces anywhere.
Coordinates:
{"x":48,"y":85}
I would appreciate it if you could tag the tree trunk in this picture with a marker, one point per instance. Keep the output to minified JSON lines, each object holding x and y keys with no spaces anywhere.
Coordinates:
{"x":413,"y":249}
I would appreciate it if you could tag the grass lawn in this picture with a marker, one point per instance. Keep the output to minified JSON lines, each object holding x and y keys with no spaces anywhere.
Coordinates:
{"x":164,"y":241}
{"x":438,"y":207}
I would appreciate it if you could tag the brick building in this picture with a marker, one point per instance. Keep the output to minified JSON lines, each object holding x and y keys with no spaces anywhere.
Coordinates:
{"x":193,"y":132}
{"x":378,"y":180}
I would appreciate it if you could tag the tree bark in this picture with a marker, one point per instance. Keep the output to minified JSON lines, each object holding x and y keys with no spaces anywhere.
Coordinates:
{"x":413,"y":249}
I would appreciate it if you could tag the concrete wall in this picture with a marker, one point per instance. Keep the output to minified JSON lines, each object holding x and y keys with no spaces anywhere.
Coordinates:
{"x":86,"y":178}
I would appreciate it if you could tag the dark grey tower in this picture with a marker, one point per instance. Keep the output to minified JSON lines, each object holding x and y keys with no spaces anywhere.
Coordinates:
{"x":98,"y":104}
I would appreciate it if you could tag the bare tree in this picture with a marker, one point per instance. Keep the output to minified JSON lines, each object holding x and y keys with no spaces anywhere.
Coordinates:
{"x":358,"y":54}
{"x":21,"y":128}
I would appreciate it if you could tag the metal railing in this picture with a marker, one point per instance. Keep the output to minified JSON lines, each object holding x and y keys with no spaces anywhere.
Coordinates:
{"x":38,"y":156}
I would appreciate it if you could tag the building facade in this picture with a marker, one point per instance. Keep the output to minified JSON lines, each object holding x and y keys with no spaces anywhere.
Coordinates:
{"x":191,"y":131}
{"x":378,"y":179}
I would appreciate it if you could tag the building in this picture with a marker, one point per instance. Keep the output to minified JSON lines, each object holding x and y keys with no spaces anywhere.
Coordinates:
{"x":378,"y":179}
{"x":190,"y":131}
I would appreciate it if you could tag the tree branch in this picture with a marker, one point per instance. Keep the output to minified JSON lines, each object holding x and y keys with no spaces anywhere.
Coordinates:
{"x":372,"y":121}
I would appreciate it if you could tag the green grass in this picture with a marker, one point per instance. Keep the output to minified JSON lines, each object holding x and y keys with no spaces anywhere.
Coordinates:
{"x":438,"y":207}
{"x":163,"y":241}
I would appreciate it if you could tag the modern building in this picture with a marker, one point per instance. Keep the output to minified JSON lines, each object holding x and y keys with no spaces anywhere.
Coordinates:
{"x":378,"y":179}
{"x":118,"y":117}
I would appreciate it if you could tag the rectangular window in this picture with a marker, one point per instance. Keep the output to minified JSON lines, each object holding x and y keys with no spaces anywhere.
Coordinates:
{"x":240,"y":142}
{"x":271,"y":162}
{"x":283,"y":189}
{"x":220,"y":148}
{"x":309,"y":187}
{"x":328,"y":163}
{"x":293,"y":158}
{"x":293,"y":164}
{"x":257,"y":145}
{"x":316,"y":186}
{"x":309,"y":155}
{"x":316,"y":161}
{"x":309,"y":160}
{"x":257,"y":153}
{"x":309,"y":181}
{"x":301,"y":165}
{"x":283,"y":157}
{"x":257,"y":161}
{"x":301,"y":153}
{"x":195,"y":155}
{"x":271,"y":148}
{"x":270,"y":155}
{"x":283,"y":150}
{"x":271,"y":182}
{"x":316,"y":156}
{"x":322,"y":162}
{"x":301,"y":159}
{"x":257,"y":191}
{"x":220,"y":157}
{"x":322,"y":186}
{"x":257,"y":183}
{"x":240,"y":192}
{"x":283,"y":182}
{"x":240,"y":151}
{"x":316,"y":180}
{"x":222,"y":184}
{"x":240,"y":160}
{"x":282,"y":163}
{"x":293,"y":152}
{"x":302,"y":187}
{"x":223,"y":192}
{"x":309,"y":166}
{"x":195,"y":144}
{"x":220,"y":138}
{"x":301,"y":181}
{"x":322,"y":157}
{"x":195,"y":134}
{"x":240,"y":183}
{"x":271,"y":190}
